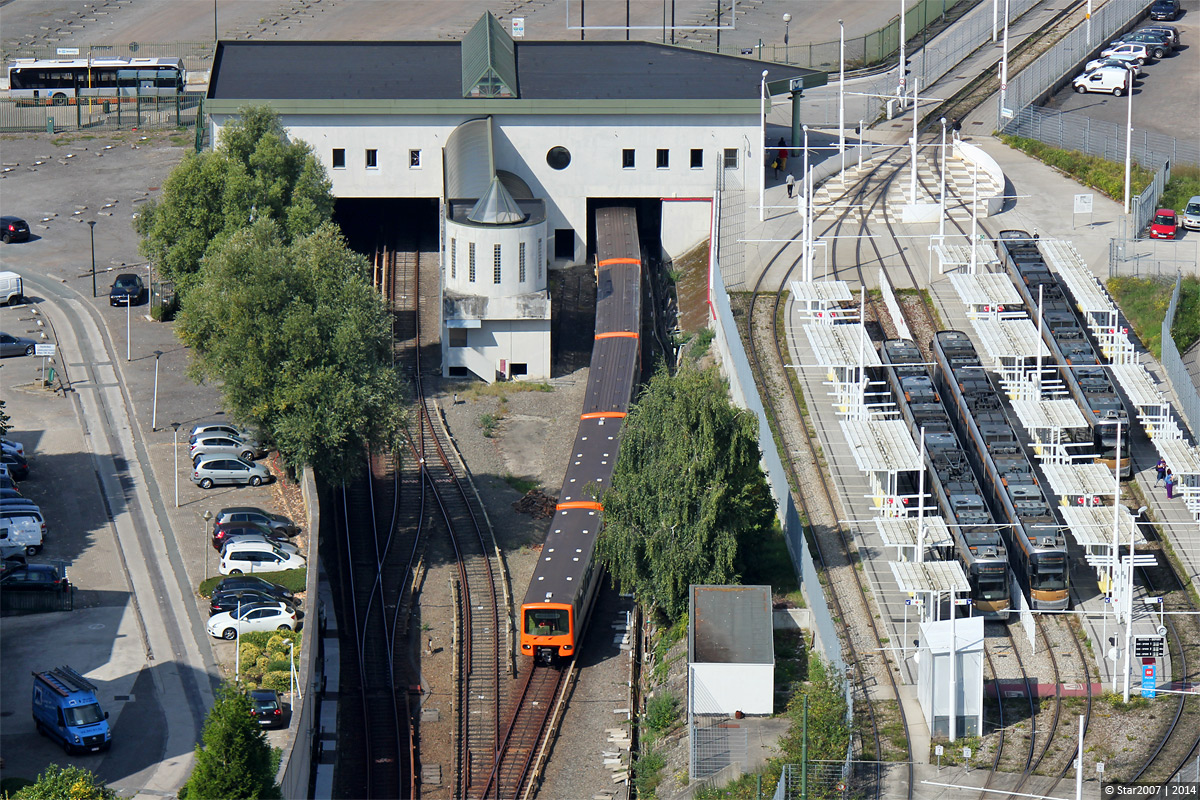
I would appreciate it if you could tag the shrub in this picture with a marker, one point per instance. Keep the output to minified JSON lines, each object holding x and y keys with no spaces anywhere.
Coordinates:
{"x":662,"y":712}
{"x":279,"y":680}
{"x":250,"y":652}
{"x":647,"y":772}
{"x":1106,"y":176}
{"x":278,"y":665}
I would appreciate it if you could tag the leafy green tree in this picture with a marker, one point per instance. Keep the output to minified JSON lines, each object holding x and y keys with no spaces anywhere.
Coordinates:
{"x":255,"y":173}
{"x":66,"y":783}
{"x":688,"y":499}
{"x":300,"y":342}
{"x":236,"y":760}
{"x":5,"y":420}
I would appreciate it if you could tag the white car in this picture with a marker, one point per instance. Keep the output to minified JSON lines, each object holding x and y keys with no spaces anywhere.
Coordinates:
{"x":9,"y":446}
{"x":252,"y":617}
{"x":1191,"y":213}
{"x":286,"y":547}
{"x":252,"y":557}
{"x":1128,"y":50}
{"x":1112,"y":80}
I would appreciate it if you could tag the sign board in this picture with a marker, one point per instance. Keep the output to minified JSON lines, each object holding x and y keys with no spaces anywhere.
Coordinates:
{"x":518,"y":27}
{"x":962,"y":601}
{"x":66,"y":51}
{"x":938,"y":750}
{"x":1149,"y":646}
{"x":1148,"y":682}
{"x":1083,"y":203}
{"x":44,"y":349}
{"x":1007,"y":113}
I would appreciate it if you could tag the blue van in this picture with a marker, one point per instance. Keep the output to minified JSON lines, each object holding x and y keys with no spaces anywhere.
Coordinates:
{"x":65,"y":708}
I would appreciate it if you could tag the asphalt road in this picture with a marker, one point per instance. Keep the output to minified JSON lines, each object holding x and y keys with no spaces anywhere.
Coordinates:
{"x":1165,"y":98}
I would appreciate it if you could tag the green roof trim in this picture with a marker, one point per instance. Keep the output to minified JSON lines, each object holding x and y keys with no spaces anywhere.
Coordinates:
{"x":480,"y":106}
{"x":489,"y":61}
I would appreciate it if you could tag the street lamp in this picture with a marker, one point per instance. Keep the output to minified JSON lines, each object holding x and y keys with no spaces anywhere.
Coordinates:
{"x":204,"y":542}
{"x":92,"y":232}
{"x":175,"y":428}
{"x":787,"y":22}
{"x":128,"y":338}
{"x":1128,"y":136}
{"x":842,"y":91}
{"x":154,"y":412}
{"x":942,"y":187}
{"x":762,"y":147}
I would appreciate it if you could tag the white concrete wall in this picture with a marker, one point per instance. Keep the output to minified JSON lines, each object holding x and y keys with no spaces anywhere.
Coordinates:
{"x":726,"y":688}
{"x":685,"y":224}
{"x":520,"y":341}
{"x":457,"y":273}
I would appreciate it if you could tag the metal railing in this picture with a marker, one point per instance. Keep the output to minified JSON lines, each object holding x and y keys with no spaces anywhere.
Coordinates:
{"x":1102,"y":139}
{"x":1143,"y":206}
{"x":104,"y":114}
{"x":1153,"y":258}
{"x":1177,"y":372}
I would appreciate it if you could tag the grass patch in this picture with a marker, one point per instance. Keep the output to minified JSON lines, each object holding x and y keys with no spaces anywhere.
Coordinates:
{"x":488,"y":424}
{"x":647,"y":772}
{"x":1144,"y":302}
{"x":662,"y":712}
{"x":293,"y":580}
{"x":1184,"y":184}
{"x":522,"y":485}
{"x":1107,"y":177}
{"x":503,"y":389}
{"x":701,"y":342}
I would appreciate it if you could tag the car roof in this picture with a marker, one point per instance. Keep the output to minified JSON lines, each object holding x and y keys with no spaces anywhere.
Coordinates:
{"x":243,"y":510}
{"x":271,"y":693}
{"x":128,"y":276}
{"x":1168,"y":211}
{"x":250,"y":544}
{"x":7,"y":218}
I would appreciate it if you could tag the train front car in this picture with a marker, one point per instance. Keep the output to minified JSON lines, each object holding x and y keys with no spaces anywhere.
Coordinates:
{"x":566,"y":579}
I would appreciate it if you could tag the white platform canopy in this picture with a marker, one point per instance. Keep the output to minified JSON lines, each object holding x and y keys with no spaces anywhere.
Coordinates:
{"x":845,"y":351}
{"x":1012,"y":346}
{"x":1071,"y":481}
{"x":1092,"y":527}
{"x":937,"y":579}
{"x":882,"y":449}
{"x":988,"y":293}
{"x":902,"y":533}
{"x":1098,"y":309}
{"x":958,"y":256}
{"x":1153,"y":408}
{"x":820,"y":301}
{"x":1182,"y":457}
{"x":1047,"y":422}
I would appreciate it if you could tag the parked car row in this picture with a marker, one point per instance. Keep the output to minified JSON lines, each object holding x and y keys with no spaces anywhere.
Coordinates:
{"x":224,"y":454}
{"x":1121,"y":62}
{"x":22,"y":526}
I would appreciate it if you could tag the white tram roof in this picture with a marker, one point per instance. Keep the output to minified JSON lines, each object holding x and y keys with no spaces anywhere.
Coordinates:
{"x":1064,"y":259}
{"x":1138,"y":384}
{"x":1013,"y":338}
{"x":841,"y":345}
{"x":959,"y":255}
{"x":1092,"y":525}
{"x":986,"y":289}
{"x":1182,"y":457}
{"x":881,"y":445}
{"x":902,"y":531}
{"x":937,"y":577}
{"x":1049,"y":414}
{"x":828,"y":291}
{"x":1074,"y":480}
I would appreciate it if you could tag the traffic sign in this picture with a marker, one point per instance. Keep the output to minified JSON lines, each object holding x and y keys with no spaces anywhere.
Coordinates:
{"x":518,"y":27}
{"x":938,"y":750}
{"x":1148,"y":680}
{"x":46,"y":349}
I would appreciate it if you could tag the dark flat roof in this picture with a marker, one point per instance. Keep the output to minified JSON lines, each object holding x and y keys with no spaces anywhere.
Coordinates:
{"x":433,"y":71}
{"x":731,"y":625}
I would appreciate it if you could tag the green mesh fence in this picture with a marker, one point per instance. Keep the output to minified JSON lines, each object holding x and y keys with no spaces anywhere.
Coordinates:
{"x":98,"y":114}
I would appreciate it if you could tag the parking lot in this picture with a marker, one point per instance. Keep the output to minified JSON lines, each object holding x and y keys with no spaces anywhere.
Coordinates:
{"x":1164,"y":97}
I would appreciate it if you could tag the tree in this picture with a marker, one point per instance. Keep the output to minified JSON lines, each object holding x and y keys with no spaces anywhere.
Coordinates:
{"x":301,"y":343}
{"x":256,"y":173}
{"x":66,"y":783}
{"x":5,"y":420}
{"x":688,"y":499}
{"x":236,"y":760}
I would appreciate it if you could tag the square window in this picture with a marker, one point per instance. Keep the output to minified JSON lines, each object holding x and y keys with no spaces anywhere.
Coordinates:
{"x":339,"y":158}
{"x":495,"y":263}
{"x":372,"y":159}
{"x":697,"y":158}
{"x":731,"y":158}
{"x":471,"y":262}
{"x":414,"y":159}
{"x":627,"y":159}
{"x":458,"y":337}
{"x":662,"y":158}
{"x":516,"y":370}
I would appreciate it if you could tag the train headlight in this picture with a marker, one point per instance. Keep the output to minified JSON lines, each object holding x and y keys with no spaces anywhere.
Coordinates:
{"x":526,"y":647}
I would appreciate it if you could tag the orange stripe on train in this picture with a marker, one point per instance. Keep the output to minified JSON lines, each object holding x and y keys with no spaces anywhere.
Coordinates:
{"x":603,"y":415}
{"x":579,"y":504}
{"x":608,"y":261}
{"x":618,"y":335}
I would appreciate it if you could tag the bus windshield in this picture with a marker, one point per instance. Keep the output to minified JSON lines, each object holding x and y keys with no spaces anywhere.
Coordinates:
{"x":1048,"y":579}
{"x":547,"y":622}
{"x":992,"y":588}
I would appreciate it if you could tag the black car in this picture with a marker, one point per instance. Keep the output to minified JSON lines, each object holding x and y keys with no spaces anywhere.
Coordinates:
{"x":222,"y":532}
{"x":18,"y":467}
{"x":10,"y":494}
{"x":126,"y":290}
{"x":235,"y":582}
{"x":1165,"y":10}
{"x":15,"y":229}
{"x":276,"y":522}
{"x":230,"y":600}
{"x":33,"y":577}
{"x":267,"y":708}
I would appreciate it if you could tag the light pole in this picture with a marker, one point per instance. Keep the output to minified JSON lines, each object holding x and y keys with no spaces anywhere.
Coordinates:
{"x":175,"y":428}
{"x":762,"y":148}
{"x":1004,"y":67}
{"x":900,"y":86}
{"x":942,"y":186}
{"x":1128,"y":137}
{"x":237,"y":647}
{"x":842,"y":92}
{"x":216,"y":37}
{"x":92,"y":233}
{"x":204,"y":542}
{"x":787,"y":23}
{"x":806,"y":242}
{"x":292,"y":671}
{"x":128,"y":339}
{"x":154,"y":407}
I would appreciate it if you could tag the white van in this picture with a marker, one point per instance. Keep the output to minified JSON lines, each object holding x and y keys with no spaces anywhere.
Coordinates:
{"x":23,"y":533}
{"x":11,"y":289}
{"x":1113,"y":80}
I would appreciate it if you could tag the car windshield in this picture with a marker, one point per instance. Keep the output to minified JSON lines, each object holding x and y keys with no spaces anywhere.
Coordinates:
{"x":244,"y":461}
{"x":83,"y":715}
{"x":127,"y":282}
{"x":1192,"y":208}
{"x":1164,"y":219}
{"x":265,"y":703}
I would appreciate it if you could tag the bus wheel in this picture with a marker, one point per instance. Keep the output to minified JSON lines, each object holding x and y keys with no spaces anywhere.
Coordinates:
{"x":59,"y":99}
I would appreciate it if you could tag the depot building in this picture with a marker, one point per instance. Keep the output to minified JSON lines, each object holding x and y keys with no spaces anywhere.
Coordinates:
{"x":497,"y":150}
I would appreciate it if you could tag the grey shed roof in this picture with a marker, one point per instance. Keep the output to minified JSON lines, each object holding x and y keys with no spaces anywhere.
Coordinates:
{"x":730,"y":625}
{"x":489,"y":64}
{"x":434,"y":71}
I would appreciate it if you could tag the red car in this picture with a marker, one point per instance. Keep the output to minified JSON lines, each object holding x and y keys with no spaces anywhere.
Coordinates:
{"x":1163,"y":224}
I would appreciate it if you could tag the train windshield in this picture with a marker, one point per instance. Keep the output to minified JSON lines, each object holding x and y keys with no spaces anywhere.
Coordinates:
{"x":1048,"y":578}
{"x":992,"y":587}
{"x":547,"y":622}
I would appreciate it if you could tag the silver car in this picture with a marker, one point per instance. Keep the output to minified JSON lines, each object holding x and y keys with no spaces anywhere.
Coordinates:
{"x":221,"y":445}
{"x":223,"y":429}
{"x":208,"y":471}
{"x":15,"y":345}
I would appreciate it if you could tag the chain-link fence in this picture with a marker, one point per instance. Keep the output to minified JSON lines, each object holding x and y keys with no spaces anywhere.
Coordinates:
{"x":1099,"y":138}
{"x":1142,"y":207}
{"x":1153,"y":258}
{"x":1177,"y":371}
{"x":104,"y":114}
{"x":197,"y":56}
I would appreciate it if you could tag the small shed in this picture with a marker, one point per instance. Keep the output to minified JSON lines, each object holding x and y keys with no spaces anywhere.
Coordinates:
{"x":731,"y":651}
{"x":944,"y":688}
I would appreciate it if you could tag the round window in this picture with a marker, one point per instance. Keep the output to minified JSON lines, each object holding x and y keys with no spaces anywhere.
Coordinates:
{"x":558,"y":157}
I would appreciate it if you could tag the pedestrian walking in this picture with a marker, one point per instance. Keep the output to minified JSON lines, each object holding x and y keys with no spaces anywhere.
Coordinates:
{"x":1169,"y":482}
{"x":1160,"y":471}
{"x":791,"y":184}
{"x":456,"y":398}
{"x":783,"y":154}
{"x":955,"y":127}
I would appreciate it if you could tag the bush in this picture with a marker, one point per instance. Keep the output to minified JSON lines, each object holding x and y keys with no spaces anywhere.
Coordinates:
{"x":1108,"y":177}
{"x":265,"y":653}
{"x":279,"y":680}
{"x":647,"y":772}
{"x":662,"y":712}
{"x":250,"y":652}
{"x":294,"y":580}
{"x":277,"y":665}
